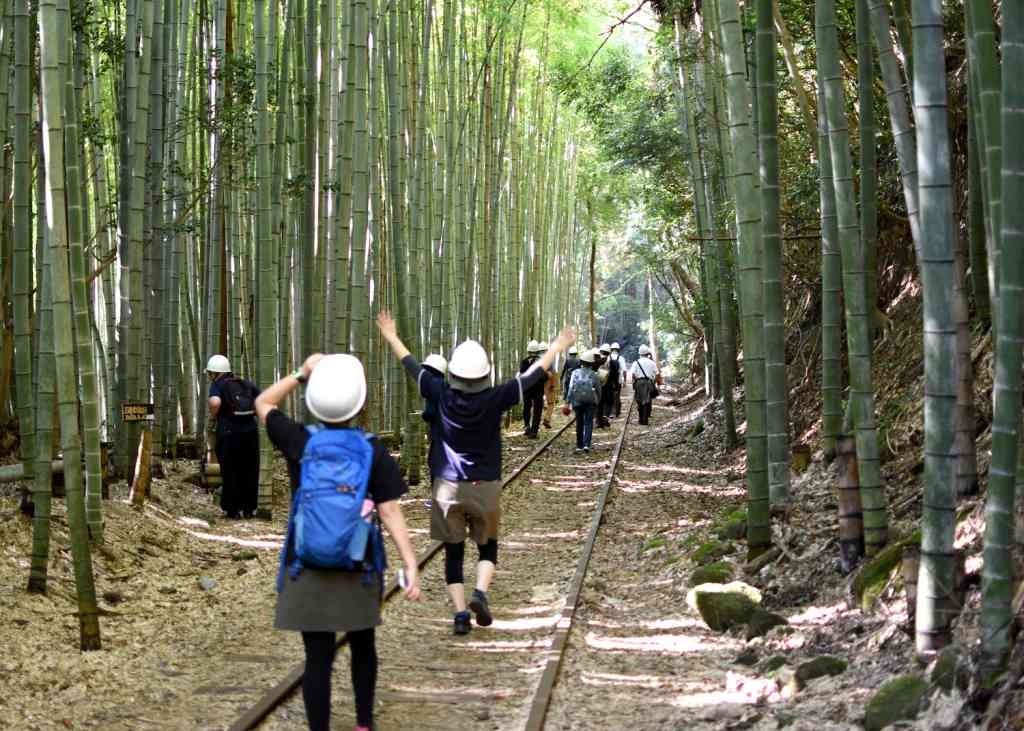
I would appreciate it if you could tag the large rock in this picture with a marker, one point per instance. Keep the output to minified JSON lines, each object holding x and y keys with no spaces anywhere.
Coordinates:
{"x":949,"y":670}
{"x":718,"y":572}
{"x":761,"y":621}
{"x":724,"y":606}
{"x":897,"y":700}
{"x":735,"y":526}
{"x":819,"y":667}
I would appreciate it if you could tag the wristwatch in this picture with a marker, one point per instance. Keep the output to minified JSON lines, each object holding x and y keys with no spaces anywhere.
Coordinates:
{"x":299,"y":375}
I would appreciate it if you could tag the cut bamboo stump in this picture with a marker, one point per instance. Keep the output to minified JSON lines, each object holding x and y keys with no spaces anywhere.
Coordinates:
{"x":143,"y":474}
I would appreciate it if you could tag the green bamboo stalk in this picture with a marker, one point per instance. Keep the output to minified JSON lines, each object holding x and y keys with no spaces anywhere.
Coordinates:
{"x":997,"y":579}
{"x":53,"y":35}
{"x":862,"y":397}
{"x":976,"y":224}
{"x":748,"y":219}
{"x":831,"y":296}
{"x":868,"y":151}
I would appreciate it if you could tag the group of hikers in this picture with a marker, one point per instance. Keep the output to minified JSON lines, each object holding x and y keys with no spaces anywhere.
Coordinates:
{"x":345,"y":483}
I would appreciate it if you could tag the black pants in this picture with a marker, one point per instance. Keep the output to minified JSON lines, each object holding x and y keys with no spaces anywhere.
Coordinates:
{"x":239,"y":457}
{"x":606,"y":406}
{"x":533,"y":408}
{"x":618,"y":401}
{"x":644,"y":411}
{"x":316,"y":680}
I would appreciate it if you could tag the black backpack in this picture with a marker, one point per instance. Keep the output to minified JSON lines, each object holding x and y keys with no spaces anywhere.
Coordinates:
{"x":238,"y":397}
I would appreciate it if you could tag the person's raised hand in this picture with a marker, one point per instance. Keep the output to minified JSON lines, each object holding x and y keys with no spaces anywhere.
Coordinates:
{"x":310,"y":363}
{"x":386,"y":324}
{"x":566,"y":338}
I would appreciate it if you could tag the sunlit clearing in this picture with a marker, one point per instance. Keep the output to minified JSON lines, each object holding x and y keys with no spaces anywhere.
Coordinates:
{"x":276,"y":545}
{"x":821,"y":615}
{"x":638,"y":681}
{"x":196,"y":522}
{"x":508,"y":646}
{"x":674,"y":644}
{"x":526,"y":624}
{"x":657,"y":624}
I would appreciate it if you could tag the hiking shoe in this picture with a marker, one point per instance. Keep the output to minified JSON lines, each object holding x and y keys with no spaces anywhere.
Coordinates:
{"x":586,"y":450}
{"x":479,"y":606}
{"x":578,"y":450}
{"x":461,"y":624}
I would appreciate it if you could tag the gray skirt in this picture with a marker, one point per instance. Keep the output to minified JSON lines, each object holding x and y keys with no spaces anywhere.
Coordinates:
{"x":319,"y":600}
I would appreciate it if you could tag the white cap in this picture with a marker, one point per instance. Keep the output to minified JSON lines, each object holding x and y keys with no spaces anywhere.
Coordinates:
{"x":644,"y":350}
{"x":218,"y":364}
{"x":336,"y":390}
{"x":615,"y":346}
{"x":541,"y":347}
{"x":605,"y":348}
{"x":469,"y":361}
{"x":531,"y":347}
{"x":573,"y":350}
{"x":437,"y":362}
{"x":589,"y":356}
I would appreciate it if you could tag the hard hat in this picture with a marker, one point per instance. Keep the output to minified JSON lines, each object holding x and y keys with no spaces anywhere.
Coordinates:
{"x":531,"y":347}
{"x":644,"y":350}
{"x":437,"y":362}
{"x":589,"y":356}
{"x":605,"y":348}
{"x":615,"y":346}
{"x":218,"y":364}
{"x":573,"y":350}
{"x":469,"y":361}
{"x":541,"y":347}
{"x":336,"y":390}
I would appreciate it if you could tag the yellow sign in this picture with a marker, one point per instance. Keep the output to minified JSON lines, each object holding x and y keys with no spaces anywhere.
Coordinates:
{"x":137,"y":411}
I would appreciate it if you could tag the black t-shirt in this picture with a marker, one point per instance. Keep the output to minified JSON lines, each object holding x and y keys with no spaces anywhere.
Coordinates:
{"x":227,"y":421}
{"x":535,"y":391}
{"x":290,"y":438}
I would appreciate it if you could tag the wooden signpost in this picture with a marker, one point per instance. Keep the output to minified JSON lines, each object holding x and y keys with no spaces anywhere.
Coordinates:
{"x":141,"y":412}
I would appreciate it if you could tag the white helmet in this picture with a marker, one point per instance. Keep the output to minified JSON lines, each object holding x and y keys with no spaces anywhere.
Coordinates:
{"x":469,"y":361}
{"x":218,"y":364}
{"x":541,"y":347}
{"x":531,"y":347}
{"x":588,"y":356}
{"x":605,"y":348}
{"x":337,"y":388}
{"x":437,"y":362}
{"x":573,"y":350}
{"x":615,"y":346}
{"x":644,"y":350}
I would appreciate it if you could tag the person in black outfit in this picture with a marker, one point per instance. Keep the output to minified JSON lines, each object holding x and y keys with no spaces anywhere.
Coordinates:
{"x":231,"y":404}
{"x":617,"y":357}
{"x":571,"y":364}
{"x":321,"y":602}
{"x":601,"y":422}
{"x":610,"y":389}
{"x":533,"y":397}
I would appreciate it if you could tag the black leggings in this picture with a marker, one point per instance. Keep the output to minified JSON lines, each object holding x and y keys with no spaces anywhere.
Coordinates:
{"x":316,"y":681}
{"x":455,"y":554}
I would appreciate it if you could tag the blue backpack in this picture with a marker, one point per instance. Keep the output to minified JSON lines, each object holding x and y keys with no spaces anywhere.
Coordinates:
{"x":327,"y":527}
{"x":581,"y":389}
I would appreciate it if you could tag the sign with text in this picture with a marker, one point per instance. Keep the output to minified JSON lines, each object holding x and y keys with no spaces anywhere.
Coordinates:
{"x":137,"y":411}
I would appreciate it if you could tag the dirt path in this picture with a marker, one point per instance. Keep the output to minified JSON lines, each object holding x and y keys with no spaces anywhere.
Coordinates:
{"x":430,"y":679}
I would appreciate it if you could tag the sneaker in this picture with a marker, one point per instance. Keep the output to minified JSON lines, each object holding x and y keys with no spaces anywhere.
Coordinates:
{"x":479,"y":606}
{"x":461,"y":624}
{"x":578,"y":450}
{"x":586,"y":450}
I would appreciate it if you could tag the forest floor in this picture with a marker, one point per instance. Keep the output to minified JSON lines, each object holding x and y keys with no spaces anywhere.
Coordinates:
{"x":188,"y":601}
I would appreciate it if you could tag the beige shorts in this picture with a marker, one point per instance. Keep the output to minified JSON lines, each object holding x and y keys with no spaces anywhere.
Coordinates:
{"x":461,"y":507}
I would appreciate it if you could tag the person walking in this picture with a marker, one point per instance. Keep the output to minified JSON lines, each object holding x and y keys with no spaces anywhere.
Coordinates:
{"x":467,"y":484}
{"x":620,"y":367}
{"x":604,"y":396}
{"x":582,"y":395}
{"x":551,"y":392}
{"x":438,"y":366}
{"x":320,"y":602}
{"x":645,"y":377}
{"x":231,"y":406}
{"x":533,"y":397}
{"x":571,"y":364}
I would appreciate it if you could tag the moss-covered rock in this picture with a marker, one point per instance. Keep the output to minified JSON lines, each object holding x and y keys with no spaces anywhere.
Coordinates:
{"x":735,"y":526}
{"x":897,"y":700}
{"x":762,"y":621}
{"x":710,"y":551}
{"x":773,"y":663}
{"x":719,"y":572}
{"x":873,"y":575}
{"x":948,"y":671}
{"x":724,"y":606}
{"x":819,"y":667}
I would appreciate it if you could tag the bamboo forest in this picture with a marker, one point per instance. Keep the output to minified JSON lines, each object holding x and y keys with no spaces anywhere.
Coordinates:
{"x":299,"y":295}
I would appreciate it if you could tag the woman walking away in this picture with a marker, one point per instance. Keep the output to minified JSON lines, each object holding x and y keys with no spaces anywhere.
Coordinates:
{"x":533,"y":396}
{"x":237,"y":445}
{"x":571,"y":364}
{"x":467,"y":484}
{"x":582,"y":395}
{"x":339,"y":476}
{"x":645,"y":376}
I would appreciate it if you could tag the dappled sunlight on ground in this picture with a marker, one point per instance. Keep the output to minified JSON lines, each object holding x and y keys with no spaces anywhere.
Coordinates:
{"x":507,"y":645}
{"x":817,"y":616}
{"x":650,"y":486}
{"x":673,"y":643}
{"x":236,"y":541}
{"x":652,"y":682}
{"x":647,"y":468}
{"x":526,"y":624}
{"x":656,"y":624}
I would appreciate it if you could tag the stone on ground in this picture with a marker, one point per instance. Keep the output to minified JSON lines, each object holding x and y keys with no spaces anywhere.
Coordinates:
{"x":710,"y":551}
{"x":897,"y":700}
{"x":761,"y":621}
{"x":819,"y":667}
{"x":718,"y":572}
{"x":724,"y":606}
